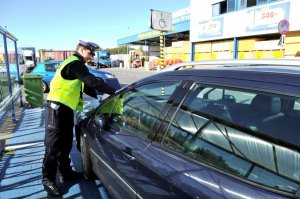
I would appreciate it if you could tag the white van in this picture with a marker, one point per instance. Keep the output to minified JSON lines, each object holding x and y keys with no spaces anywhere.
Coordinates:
{"x":30,"y":58}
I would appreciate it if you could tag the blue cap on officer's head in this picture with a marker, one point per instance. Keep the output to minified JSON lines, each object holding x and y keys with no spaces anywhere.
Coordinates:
{"x":90,"y":45}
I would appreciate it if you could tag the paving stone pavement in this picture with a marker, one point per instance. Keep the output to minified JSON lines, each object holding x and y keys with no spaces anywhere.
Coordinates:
{"x":20,"y":165}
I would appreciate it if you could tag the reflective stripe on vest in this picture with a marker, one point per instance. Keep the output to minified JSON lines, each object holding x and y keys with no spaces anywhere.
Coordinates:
{"x":68,"y":92}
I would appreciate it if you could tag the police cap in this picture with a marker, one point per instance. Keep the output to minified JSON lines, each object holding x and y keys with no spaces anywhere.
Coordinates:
{"x":89,"y":45}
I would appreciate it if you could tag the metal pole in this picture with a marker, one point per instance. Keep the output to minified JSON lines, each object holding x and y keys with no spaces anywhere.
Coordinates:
{"x":8,"y":79}
{"x":17,"y":59}
{"x":18,"y":70}
{"x":192,"y":55}
{"x":235,"y":48}
{"x":161,"y":39}
{"x":282,"y":46}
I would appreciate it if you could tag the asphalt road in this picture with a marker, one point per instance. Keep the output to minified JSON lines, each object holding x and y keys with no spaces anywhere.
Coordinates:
{"x":127,"y":76}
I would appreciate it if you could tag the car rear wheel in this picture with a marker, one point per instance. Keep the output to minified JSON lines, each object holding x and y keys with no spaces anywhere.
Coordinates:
{"x":45,"y":87}
{"x":86,"y":159}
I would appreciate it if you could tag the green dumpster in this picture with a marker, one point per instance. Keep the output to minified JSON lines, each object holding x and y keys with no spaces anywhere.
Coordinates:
{"x":33,"y":88}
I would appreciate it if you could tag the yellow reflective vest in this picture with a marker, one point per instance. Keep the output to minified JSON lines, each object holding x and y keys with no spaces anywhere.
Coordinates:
{"x":67,"y":92}
{"x":116,"y":104}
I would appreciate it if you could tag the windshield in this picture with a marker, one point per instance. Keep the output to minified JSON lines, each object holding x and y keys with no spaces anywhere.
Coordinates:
{"x":29,"y":58}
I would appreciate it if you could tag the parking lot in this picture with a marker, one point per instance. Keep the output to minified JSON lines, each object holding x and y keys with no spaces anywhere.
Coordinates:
{"x":221,"y":140}
{"x":21,"y":164}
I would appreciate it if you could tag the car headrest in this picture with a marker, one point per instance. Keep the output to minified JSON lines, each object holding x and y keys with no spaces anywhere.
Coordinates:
{"x":217,"y":110}
{"x":266,"y":104}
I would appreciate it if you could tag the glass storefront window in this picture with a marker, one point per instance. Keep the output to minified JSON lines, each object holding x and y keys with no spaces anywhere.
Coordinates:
{"x":231,"y":5}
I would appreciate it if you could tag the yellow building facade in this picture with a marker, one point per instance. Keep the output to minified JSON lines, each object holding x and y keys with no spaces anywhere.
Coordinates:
{"x":247,"y":33}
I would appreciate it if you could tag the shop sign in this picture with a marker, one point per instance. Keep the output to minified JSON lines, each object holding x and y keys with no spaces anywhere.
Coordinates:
{"x":266,"y":18}
{"x":161,"y":21}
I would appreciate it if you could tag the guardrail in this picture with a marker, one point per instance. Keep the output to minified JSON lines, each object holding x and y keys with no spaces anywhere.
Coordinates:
{"x":9,"y":103}
{"x":9,"y":92}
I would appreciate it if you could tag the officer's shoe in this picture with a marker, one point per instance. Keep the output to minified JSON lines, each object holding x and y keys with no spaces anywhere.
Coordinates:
{"x":52,"y":189}
{"x":70,"y":176}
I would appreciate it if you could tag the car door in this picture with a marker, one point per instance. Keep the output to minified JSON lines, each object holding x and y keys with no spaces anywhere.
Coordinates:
{"x":131,"y":120}
{"x":157,"y":169}
{"x":201,"y":150}
{"x":50,"y":69}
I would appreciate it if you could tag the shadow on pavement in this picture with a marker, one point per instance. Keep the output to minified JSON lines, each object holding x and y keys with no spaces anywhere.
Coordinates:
{"x":21,"y":164}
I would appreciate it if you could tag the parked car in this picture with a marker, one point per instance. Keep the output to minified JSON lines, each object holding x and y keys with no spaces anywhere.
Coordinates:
{"x":12,"y":70}
{"x":48,"y":69}
{"x":208,"y":132}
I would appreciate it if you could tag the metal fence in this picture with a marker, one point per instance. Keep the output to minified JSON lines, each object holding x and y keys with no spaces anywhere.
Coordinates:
{"x":10,"y":61}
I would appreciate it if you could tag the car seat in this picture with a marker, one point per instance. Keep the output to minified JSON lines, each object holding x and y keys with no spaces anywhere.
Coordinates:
{"x":264,"y":108}
{"x":217,"y":110}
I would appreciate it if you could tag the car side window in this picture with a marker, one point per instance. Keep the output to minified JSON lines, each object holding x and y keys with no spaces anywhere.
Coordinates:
{"x":136,"y":110}
{"x":57,"y":65}
{"x":214,"y":141}
{"x":50,"y":67}
{"x":213,"y":93}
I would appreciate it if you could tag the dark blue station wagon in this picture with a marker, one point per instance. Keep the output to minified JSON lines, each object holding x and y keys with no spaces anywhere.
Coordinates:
{"x":213,"y":132}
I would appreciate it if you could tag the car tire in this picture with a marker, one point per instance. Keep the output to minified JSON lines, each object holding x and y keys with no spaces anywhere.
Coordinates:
{"x":28,"y":106}
{"x":45,"y":87}
{"x":86,"y":159}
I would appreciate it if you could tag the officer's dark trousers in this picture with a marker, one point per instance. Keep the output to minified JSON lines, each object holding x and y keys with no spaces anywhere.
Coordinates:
{"x":58,"y":141}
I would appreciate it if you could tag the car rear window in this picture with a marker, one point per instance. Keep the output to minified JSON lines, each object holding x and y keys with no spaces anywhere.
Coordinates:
{"x":52,"y":67}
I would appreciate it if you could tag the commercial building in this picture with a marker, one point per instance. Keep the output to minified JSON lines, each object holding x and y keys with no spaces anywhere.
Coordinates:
{"x":151,"y":38}
{"x":227,"y":29}
{"x":244,"y":29}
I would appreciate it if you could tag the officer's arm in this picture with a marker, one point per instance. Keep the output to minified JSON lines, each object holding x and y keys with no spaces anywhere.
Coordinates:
{"x":90,"y":91}
{"x":81,"y":72}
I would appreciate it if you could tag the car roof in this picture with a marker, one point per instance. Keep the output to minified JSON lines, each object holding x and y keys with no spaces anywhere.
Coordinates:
{"x":283,"y":79}
{"x":52,"y":61}
{"x":233,"y":63}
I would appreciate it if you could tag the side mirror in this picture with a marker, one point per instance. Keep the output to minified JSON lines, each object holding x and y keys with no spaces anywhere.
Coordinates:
{"x":100,"y":122}
{"x":101,"y":96}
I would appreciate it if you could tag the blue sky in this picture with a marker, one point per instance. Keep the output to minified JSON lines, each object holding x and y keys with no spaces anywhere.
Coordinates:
{"x":59,"y":24}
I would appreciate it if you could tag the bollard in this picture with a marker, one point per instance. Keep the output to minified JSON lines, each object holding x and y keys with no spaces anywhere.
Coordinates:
{"x":147,"y":66}
{"x":121,"y":64}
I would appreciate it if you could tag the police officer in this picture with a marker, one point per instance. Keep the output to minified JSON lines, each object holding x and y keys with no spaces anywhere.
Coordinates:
{"x":66,"y":89}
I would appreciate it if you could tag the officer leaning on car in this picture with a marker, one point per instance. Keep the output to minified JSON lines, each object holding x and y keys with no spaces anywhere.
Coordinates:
{"x":66,"y":90}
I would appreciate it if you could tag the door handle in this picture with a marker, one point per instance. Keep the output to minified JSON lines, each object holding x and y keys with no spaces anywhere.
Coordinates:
{"x":128,"y":153}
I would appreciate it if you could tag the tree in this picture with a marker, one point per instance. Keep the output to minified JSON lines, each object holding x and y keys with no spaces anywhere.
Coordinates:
{"x":119,"y":50}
